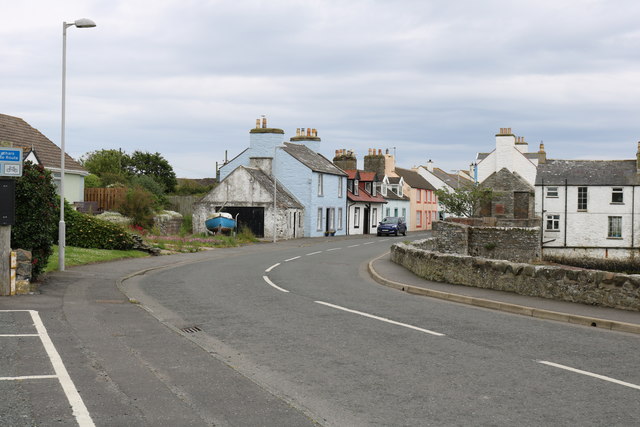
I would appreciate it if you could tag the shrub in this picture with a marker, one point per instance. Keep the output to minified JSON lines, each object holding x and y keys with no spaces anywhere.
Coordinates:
{"x":138,"y":204}
{"x":86,"y":231}
{"x":92,"y":181}
{"x":37,"y":215}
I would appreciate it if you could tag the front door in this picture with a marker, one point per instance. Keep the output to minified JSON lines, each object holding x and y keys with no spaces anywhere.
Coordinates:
{"x":365,"y":222}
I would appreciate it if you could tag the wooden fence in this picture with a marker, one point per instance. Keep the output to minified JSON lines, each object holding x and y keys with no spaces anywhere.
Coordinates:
{"x":183,"y":204}
{"x":107,"y":198}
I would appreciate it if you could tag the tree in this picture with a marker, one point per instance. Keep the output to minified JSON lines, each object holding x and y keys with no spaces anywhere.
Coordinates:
{"x":37,"y":215}
{"x":154,"y":165}
{"x":465,"y":200}
{"x":100,"y":162}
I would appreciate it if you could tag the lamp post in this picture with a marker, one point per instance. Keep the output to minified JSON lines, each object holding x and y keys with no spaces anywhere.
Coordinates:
{"x":80,"y":23}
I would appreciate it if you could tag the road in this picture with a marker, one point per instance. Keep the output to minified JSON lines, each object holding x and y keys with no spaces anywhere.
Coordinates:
{"x":297,"y":334}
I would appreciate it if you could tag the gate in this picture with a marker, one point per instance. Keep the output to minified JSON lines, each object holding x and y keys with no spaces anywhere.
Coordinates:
{"x":252,"y":218}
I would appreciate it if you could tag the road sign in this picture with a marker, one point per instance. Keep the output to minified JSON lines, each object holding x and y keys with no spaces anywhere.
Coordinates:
{"x":10,"y":162}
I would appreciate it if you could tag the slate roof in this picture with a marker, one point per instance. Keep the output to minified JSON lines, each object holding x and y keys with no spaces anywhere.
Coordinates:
{"x":364,"y":196}
{"x":414,"y":179}
{"x":391,"y":195}
{"x":314,"y":161}
{"x":587,"y":172}
{"x":451,"y":179}
{"x":21,"y":134}
{"x":283,"y":197}
{"x":394,"y":180}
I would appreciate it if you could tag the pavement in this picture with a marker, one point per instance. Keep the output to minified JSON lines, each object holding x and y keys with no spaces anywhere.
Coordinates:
{"x":388,"y":273}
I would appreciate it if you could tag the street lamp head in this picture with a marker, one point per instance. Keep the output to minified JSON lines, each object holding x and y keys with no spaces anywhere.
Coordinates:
{"x":84,"y":23}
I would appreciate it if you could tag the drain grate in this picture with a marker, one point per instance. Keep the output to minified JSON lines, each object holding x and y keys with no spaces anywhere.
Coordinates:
{"x":191,"y":329}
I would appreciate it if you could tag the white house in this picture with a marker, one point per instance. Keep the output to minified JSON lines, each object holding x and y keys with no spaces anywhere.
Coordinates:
{"x":364,"y":210}
{"x":589,"y":208}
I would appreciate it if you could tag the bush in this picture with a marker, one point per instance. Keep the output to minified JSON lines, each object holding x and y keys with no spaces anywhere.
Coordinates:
{"x":37,"y":215}
{"x":138,"y":204}
{"x":92,"y":181}
{"x":86,"y":231}
{"x":152,"y":186}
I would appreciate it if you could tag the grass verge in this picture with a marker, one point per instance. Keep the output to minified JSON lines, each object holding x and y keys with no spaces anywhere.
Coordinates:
{"x":80,"y":256}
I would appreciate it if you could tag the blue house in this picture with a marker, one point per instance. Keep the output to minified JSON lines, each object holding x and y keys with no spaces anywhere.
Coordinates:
{"x":311,"y":178}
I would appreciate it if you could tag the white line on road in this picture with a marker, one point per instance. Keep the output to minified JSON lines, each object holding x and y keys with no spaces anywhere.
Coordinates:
{"x":333,"y":249}
{"x":353,"y":246}
{"x":393,"y":322}
{"x":28,"y":377}
{"x":291,"y":259}
{"x":272,"y":267}
{"x":590,"y":374}
{"x":77,"y":405}
{"x":369,"y":243}
{"x":19,"y":335}
{"x":266,"y":279}
{"x":314,"y":253}
{"x":384,"y":240}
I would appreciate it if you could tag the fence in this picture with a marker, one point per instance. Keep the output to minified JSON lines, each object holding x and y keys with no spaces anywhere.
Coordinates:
{"x":183,"y":204}
{"x":107,"y":198}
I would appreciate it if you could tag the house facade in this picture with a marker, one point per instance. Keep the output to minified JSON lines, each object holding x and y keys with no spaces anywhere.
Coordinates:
{"x":392,"y":189}
{"x":510,"y":171}
{"x":365,"y":205}
{"x":38,"y":149}
{"x":589,"y":208}
{"x":440,"y":180}
{"x":317,"y":184}
{"x":424,"y":203}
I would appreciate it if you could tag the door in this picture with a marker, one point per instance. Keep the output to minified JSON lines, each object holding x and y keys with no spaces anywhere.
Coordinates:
{"x":521,"y":204}
{"x":250,"y":217}
{"x":366,"y":223}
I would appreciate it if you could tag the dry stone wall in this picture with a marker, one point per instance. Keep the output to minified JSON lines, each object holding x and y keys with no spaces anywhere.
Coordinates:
{"x":592,"y":287}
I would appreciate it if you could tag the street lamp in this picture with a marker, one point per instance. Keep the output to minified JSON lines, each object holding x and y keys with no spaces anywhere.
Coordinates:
{"x":80,"y":23}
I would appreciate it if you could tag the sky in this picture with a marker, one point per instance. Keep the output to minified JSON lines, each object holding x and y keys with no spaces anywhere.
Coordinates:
{"x":426,"y":79}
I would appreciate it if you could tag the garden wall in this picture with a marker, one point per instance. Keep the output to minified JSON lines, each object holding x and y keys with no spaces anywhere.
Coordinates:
{"x":592,"y":287}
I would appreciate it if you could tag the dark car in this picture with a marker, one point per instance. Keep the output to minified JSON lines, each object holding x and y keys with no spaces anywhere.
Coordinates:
{"x":392,"y":225}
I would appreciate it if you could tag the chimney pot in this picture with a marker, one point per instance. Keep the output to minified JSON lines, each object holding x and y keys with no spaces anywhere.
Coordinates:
{"x":257,"y":123}
{"x":308,"y":131}
{"x":380,"y":151}
{"x":264,"y":122}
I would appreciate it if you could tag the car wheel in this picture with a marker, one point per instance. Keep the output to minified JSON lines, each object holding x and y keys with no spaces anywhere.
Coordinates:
{"x":404,"y":233}
{"x":396,"y":233}
{"x":379,"y":234}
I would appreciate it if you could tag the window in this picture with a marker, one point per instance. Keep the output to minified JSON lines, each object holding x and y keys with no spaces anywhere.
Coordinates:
{"x":374,"y":189}
{"x":320,"y":184}
{"x":404,"y":213}
{"x":356,"y":184}
{"x":384,"y":190}
{"x":617,"y":195}
{"x":388,"y":212}
{"x":582,"y":198}
{"x":319,"y":226}
{"x":367,"y":187}
{"x":374,"y":217}
{"x":418,"y":219}
{"x":332,"y":219}
{"x":356,"y":218}
{"x":340,"y":181}
{"x":418,"y":194}
{"x":395,"y":211}
{"x":615,"y":227}
{"x":553,"y":223}
{"x":552,"y":191}
{"x":339,"y":218}
{"x":400,"y":191}
{"x":350,"y":185}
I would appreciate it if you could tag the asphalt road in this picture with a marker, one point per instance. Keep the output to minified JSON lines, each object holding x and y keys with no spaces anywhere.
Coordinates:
{"x":296,"y":334}
{"x":310,"y":326}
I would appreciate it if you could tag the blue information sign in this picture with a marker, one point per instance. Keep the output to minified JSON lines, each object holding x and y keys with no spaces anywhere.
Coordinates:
{"x":10,"y":162}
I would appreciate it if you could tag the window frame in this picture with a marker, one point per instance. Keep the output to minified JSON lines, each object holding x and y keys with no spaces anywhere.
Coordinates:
{"x":339,"y":218}
{"x":614,"y":224}
{"x":320,"y":184}
{"x":319,"y":220}
{"x":583,"y":199}
{"x":617,"y":191}
{"x":552,"y":222}
{"x":340,"y":183}
{"x":356,"y":217}
{"x":552,"y":192}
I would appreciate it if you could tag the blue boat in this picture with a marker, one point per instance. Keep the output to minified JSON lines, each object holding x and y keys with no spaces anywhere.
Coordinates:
{"x":220,"y":221}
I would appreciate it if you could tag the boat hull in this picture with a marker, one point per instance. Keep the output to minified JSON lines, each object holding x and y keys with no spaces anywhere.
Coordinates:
{"x":220,"y":223}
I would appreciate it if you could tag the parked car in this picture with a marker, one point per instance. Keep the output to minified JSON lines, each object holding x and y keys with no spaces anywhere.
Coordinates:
{"x":392,"y":225}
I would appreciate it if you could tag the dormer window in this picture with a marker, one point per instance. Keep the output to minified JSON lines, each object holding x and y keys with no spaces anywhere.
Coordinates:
{"x":350,"y":185}
{"x":367,"y":187}
{"x":400,"y":192}
{"x":356,"y":191}
{"x":374,"y":190}
{"x":384,"y":190}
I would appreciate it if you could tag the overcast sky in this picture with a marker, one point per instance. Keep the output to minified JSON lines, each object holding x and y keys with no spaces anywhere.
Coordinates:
{"x":434,"y":79}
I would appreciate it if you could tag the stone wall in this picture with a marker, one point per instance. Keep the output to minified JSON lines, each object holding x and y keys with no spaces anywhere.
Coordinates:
{"x":23,"y":266}
{"x":592,"y":287}
{"x":168,"y":223}
{"x":508,"y":243}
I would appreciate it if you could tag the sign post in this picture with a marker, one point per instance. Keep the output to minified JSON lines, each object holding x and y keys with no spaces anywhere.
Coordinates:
{"x":11,"y":166}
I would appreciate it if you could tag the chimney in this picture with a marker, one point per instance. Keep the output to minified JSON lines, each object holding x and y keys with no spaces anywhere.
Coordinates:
{"x":430,"y":165}
{"x":257,"y":123}
{"x":264,"y":122}
{"x":308,"y":137}
{"x":345,"y":160}
{"x":542,"y":155}
{"x":262,"y":139}
{"x":505,"y":143}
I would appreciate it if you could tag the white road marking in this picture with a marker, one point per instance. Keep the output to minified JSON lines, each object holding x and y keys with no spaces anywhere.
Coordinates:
{"x":333,"y":249}
{"x":369,"y":243}
{"x":384,"y":240}
{"x":353,"y":246}
{"x":19,"y":335}
{"x":590,"y":374}
{"x":272,"y":267}
{"x":393,"y":322}
{"x":266,"y":279}
{"x":291,"y":259}
{"x":28,"y":377}
{"x":314,"y":253}
{"x":77,"y":405}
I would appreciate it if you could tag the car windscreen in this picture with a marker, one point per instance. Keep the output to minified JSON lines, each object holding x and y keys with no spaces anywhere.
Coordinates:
{"x":390,"y":220}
